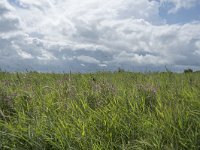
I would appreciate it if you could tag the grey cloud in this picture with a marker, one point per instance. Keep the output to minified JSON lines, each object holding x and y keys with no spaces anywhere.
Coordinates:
{"x":3,"y":10}
{"x":86,"y":32}
{"x":8,"y":24}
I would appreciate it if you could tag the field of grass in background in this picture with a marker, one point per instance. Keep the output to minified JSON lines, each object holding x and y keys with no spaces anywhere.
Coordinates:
{"x":100,"y":111}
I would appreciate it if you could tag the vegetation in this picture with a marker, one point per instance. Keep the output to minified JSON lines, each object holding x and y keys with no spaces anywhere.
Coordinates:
{"x":100,"y":111}
{"x":188,"y":71}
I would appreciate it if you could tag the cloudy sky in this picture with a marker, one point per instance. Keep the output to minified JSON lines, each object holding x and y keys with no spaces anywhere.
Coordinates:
{"x":92,"y":35}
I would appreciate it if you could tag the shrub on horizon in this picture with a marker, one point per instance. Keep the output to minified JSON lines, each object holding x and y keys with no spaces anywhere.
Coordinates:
{"x":188,"y":70}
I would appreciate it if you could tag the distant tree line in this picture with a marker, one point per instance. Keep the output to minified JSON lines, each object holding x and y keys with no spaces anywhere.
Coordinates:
{"x":188,"y":70}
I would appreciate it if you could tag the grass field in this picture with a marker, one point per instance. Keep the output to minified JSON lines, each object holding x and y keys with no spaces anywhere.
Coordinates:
{"x":100,"y":111}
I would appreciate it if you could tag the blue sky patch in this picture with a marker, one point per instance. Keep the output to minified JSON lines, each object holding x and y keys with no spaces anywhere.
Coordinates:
{"x":181,"y":16}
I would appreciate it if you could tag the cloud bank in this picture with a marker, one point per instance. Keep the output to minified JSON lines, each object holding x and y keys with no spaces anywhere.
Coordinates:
{"x":91,"y":35}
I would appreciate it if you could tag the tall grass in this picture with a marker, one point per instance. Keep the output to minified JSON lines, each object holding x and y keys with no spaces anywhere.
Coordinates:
{"x":100,"y":111}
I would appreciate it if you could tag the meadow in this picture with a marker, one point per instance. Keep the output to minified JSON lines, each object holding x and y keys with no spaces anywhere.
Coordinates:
{"x":100,"y":111}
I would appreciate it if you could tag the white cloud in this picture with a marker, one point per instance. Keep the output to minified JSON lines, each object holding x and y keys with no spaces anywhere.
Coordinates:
{"x":46,"y":56}
{"x":87,"y":59}
{"x":32,"y":2}
{"x":83,"y":65}
{"x":102,"y":65}
{"x":22,"y":53}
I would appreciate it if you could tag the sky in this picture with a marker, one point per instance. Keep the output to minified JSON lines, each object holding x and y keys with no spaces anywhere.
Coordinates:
{"x":96,"y":35}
